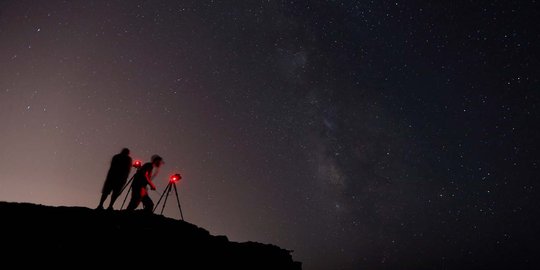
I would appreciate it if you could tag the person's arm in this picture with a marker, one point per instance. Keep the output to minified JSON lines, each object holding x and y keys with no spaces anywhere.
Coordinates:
{"x":149,"y":179}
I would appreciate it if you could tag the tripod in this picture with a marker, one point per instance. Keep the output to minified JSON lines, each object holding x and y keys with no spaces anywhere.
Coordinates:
{"x":125,"y":186}
{"x":137,"y":165}
{"x":172,"y":183}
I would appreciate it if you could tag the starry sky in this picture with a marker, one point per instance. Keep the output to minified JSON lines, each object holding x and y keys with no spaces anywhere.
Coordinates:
{"x":360,"y":134}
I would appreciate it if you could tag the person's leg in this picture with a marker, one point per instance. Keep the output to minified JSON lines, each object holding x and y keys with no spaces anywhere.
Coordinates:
{"x":135,"y":200}
{"x":148,"y":204}
{"x":115,"y":193}
{"x":104,"y":193}
{"x":102,"y":200}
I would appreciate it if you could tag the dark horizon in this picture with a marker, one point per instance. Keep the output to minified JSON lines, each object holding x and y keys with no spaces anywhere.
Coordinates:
{"x":360,"y":134}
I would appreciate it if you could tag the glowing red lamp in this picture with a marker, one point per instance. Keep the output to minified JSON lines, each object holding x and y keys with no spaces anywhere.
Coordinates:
{"x":175,"y":178}
{"x":137,"y":164}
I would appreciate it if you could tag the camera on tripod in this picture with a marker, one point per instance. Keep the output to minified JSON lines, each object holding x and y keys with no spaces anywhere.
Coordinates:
{"x":175,"y":178}
{"x":137,"y":164}
{"x":172,"y":184}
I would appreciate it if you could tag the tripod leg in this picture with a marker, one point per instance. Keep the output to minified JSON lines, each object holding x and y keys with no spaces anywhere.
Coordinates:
{"x":178,"y":201}
{"x":126,"y":185}
{"x":157,"y":204}
{"x":166,"y":196}
{"x":121,"y":207}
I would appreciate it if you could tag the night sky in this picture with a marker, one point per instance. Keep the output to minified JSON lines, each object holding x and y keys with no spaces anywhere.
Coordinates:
{"x":360,"y":134}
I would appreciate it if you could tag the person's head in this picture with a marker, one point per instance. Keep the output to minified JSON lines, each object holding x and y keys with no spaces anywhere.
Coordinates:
{"x":157,"y":161}
{"x":125,"y":152}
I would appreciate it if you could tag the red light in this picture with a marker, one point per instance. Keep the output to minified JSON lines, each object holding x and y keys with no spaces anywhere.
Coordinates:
{"x":137,"y":164}
{"x":175,"y":178}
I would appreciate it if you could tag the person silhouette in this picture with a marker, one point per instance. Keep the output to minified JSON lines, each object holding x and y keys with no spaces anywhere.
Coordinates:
{"x":142,"y":178}
{"x":116,"y":178}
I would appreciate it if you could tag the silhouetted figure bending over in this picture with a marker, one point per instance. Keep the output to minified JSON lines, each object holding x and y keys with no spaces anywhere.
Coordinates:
{"x":143,"y":177}
{"x":116,"y":178}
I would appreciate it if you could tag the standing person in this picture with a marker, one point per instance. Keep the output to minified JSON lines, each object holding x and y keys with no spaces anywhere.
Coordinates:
{"x":116,"y":178}
{"x":143,"y":177}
